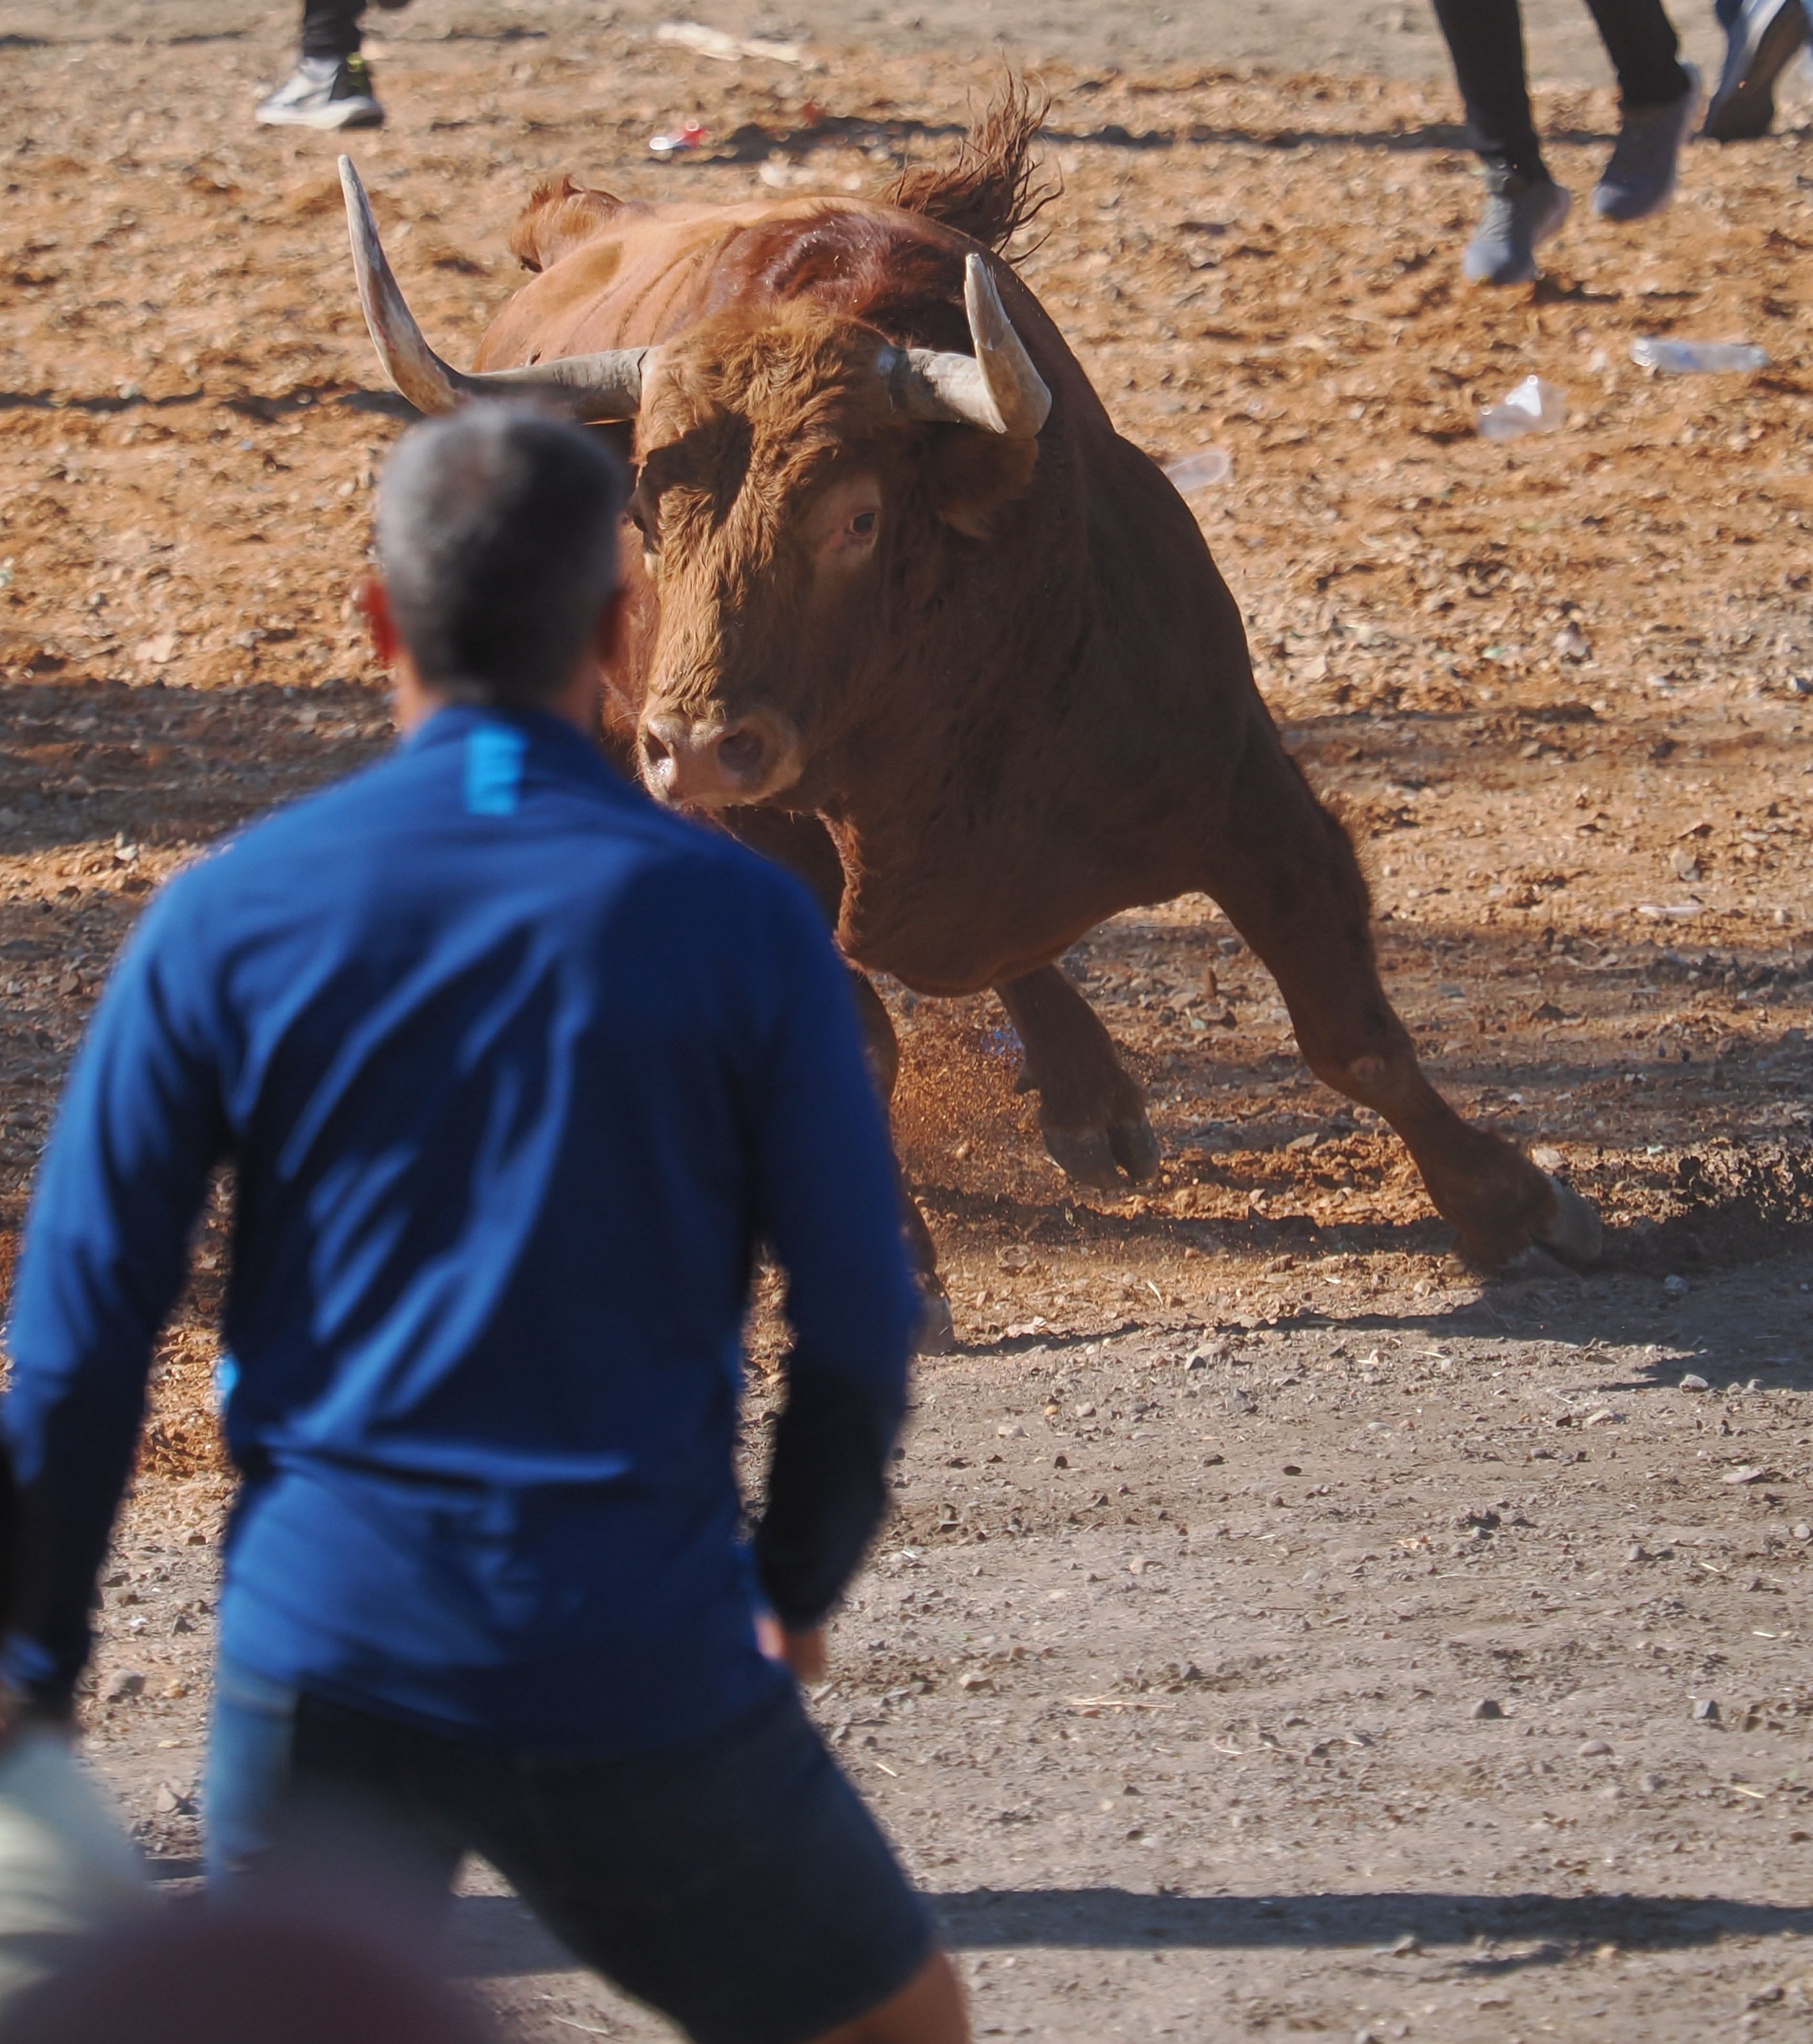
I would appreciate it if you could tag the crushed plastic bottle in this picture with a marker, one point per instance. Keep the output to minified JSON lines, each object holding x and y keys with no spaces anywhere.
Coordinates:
{"x":727,"y":48}
{"x":1201,"y":470}
{"x":690,"y":137}
{"x":1690,"y":358}
{"x":1533,"y":407}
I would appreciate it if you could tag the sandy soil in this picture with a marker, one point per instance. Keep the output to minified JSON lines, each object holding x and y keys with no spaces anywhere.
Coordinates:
{"x":1378,"y":38}
{"x":1241,"y":1496}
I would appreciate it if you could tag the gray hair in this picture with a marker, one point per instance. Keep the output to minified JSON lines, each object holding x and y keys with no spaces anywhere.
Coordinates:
{"x":497,"y":543}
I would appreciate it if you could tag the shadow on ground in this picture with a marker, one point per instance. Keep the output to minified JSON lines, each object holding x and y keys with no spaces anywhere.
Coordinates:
{"x":494,"y":1935}
{"x":1117,"y":1918}
{"x":1733,"y":1207}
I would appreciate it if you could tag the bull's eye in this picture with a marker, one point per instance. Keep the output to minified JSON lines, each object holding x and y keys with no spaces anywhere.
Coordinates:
{"x":842,"y":528}
{"x":643,"y":519}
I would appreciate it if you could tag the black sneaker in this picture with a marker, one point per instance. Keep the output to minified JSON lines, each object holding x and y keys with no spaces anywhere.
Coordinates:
{"x":1759,"y":46}
{"x":1521,"y":213}
{"x":321,"y":92}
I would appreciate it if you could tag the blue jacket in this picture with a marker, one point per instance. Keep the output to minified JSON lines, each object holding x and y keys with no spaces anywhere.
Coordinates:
{"x":513,"y":1069}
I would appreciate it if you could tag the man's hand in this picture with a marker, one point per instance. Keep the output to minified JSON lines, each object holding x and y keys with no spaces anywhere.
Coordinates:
{"x":803,"y":1652}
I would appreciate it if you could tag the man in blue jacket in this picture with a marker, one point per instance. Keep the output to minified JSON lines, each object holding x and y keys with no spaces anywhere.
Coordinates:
{"x":514,"y":1070}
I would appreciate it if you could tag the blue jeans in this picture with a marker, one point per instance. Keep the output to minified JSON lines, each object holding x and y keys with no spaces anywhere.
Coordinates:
{"x":738,"y":1884}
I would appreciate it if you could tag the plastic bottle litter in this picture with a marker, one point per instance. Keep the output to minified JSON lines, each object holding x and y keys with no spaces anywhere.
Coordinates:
{"x":727,"y":48}
{"x":1533,"y":407}
{"x":690,"y":137}
{"x":1201,"y":470}
{"x":1690,"y":358}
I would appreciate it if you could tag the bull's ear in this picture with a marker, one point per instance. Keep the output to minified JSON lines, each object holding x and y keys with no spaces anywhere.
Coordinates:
{"x":971,"y":475}
{"x":560,"y":214}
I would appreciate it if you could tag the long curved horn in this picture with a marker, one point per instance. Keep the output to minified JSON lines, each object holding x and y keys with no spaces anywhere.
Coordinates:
{"x":593,"y":387}
{"x":997,"y":388}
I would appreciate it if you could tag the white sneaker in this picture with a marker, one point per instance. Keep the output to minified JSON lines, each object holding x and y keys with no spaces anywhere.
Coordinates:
{"x":321,"y":93}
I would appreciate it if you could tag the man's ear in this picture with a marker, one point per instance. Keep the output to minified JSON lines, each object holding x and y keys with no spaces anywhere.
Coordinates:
{"x":971,"y":475}
{"x":373,"y":601}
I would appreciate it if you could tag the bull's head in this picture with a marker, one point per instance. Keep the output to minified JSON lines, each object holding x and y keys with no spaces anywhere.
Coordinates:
{"x":772,"y":458}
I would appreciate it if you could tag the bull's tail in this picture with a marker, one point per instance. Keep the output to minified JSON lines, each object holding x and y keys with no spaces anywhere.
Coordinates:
{"x":994,"y":187}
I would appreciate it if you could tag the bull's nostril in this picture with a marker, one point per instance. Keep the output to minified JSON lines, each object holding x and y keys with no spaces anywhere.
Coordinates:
{"x":740,"y":753}
{"x":654,"y":750}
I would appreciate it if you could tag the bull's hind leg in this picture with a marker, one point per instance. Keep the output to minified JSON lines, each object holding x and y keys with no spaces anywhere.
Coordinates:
{"x":1092,"y":1115}
{"x":1286,"y":875}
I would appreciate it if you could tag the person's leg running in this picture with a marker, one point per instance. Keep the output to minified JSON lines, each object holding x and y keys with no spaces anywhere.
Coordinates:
{"x":246,"y":1784}
{"x":1524,"y":206}
{"x":1761,"y":37}
{"x":331,"y":86}
{"x":318,"y":1806}
{"x":739,"y":1884}
{"x":1485,"y":43}
{"x":929,"y":2009}
{"x":1659,"y":101}
{"x":330,"y":28}
{"x":1645,"y":51}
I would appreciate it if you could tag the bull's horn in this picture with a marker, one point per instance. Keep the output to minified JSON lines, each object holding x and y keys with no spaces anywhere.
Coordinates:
{"x":997,"y":388}
{"x":608,"y":385}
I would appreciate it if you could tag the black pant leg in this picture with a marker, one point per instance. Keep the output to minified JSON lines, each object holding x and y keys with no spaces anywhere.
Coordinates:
{"x":330,"y":28}
{"x":1485,"y":40}
{"x":1640,"y":40}
{"x":361,"y":1792}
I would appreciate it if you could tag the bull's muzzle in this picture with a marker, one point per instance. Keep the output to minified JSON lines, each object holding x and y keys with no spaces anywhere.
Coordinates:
{"x":706,"y":763}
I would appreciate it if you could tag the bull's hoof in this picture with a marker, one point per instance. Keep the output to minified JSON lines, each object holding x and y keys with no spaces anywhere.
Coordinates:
{"x":937,"y":1334}
{"x":1531,"y":1261}
{"x":1135,"y":1149}
{"x":1084,"y":1155}
{"x":1105,"y":1157}
{"x":1576,"y":1235}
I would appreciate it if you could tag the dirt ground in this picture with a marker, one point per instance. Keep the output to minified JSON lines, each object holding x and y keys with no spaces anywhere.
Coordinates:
{"x":1241,"y":1498}
{"x":1375,"y":38}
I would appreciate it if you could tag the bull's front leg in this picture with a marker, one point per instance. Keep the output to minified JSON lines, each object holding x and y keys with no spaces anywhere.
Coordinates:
{"x":1284,"y":870}
{"x":937,"y":1330}
{"x":803,"y":845}
{"x":1091,"y":1112}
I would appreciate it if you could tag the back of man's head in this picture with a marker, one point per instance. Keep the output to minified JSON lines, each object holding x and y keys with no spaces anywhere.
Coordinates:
{"x":498,"y":543}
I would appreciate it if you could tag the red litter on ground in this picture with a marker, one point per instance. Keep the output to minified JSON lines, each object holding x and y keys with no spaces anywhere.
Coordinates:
{"x":690,"y":137}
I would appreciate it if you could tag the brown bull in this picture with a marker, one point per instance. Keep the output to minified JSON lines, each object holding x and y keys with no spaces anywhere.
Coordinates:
{"x":933,"y":631}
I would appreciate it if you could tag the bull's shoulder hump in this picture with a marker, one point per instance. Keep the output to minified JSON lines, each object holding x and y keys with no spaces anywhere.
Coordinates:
{"x":651,"y":269}
{"x":626,"y":286}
